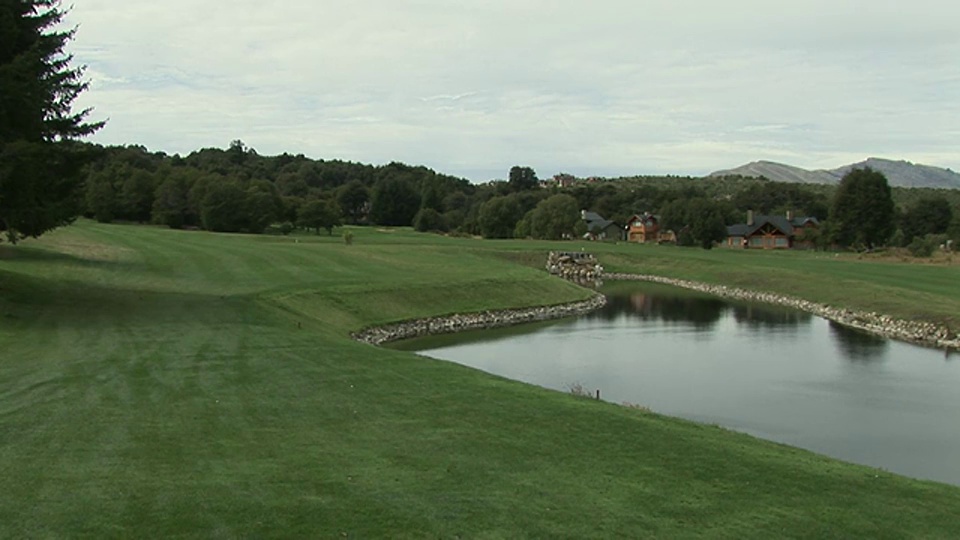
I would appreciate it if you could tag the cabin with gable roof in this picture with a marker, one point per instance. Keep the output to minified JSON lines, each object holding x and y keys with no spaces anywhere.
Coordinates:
{"x":771,"y":232}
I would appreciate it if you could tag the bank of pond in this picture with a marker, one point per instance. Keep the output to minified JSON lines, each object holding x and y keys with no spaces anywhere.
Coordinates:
{"x":773,"y":372}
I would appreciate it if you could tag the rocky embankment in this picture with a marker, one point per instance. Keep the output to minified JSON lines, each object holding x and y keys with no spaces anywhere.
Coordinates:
{"x":476,"y":321}
{"x":575,"y":266}
{"x":922,"y":333}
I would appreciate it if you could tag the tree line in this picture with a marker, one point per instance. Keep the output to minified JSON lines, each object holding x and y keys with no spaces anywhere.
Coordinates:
{"x":237,"y":190}
{"x":48,"y":177}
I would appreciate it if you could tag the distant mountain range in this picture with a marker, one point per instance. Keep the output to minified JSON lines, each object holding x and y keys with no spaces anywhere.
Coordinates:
{"x":898,"y":173}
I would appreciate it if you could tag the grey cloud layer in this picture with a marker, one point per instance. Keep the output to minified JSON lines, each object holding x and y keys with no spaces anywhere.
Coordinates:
{"x":470,"y":88}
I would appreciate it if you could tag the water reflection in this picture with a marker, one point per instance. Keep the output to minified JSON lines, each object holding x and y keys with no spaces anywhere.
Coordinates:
{"x":769,"y":371}
{"x":857,"y":345}
{"x":767,"y":318}
{"x":703,"y":313}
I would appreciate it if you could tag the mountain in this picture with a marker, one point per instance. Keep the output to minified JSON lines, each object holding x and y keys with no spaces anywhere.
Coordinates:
{"x":898,"y":173}
{"x":779,"y":172}
{"x":906,"y":174}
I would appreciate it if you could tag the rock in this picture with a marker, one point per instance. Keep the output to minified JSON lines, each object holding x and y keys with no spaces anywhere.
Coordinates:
{"x":474,"y":321}
{"x":922,"y":333}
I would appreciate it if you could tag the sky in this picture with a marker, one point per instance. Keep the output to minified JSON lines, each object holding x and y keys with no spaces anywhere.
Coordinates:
{"x":471,"y":87}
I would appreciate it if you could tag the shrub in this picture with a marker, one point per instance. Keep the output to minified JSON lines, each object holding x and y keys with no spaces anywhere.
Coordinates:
{"x":920,"y":248}
{"x":428,"y":219}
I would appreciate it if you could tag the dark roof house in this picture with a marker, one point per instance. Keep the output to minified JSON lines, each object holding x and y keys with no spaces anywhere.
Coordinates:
{"x":770,"y":232}
{"x":599,"y":228}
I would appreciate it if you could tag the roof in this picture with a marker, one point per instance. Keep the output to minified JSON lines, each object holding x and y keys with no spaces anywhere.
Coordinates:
{"x":591,"y":216}
{"x":644,"y":216}
{"x":596,"y":222}
{"x":780,"y":222}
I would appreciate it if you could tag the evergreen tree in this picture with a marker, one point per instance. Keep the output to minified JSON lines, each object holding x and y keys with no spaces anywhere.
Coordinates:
{"x":40,"y":182}
{"x":863,"y":211}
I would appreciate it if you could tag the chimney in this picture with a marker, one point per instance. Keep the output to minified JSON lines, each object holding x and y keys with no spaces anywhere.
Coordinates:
{"x":790,"y":216}
{"x":750,"y":218}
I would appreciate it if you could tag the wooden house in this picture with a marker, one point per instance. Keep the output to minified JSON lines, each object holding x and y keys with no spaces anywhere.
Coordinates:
{"x":771,"y":232}
{"x":646,"y":229}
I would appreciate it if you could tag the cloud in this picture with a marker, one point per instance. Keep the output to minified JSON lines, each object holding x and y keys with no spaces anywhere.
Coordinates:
{"x":471,"y":88}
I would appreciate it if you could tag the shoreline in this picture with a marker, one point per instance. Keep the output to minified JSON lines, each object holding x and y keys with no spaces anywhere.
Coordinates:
{"x":916,"y":332}
{"x":482,"y":320}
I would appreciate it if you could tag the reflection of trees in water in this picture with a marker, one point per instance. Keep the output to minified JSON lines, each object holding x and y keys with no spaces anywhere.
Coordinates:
{"x":760,"y":317}
{"x":858,"y":345}
{"x":702,"y":313}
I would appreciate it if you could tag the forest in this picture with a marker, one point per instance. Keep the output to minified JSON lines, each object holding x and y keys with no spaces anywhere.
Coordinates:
{"x":238,"y":190}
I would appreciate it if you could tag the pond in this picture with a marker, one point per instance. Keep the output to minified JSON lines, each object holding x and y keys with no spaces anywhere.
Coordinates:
{"x":773,"y":372}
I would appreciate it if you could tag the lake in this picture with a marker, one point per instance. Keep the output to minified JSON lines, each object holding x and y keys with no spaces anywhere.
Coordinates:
{"x":773,"y":372}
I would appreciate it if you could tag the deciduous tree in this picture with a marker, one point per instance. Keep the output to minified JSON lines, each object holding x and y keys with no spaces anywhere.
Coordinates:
{"x":929,"y":215}
{"x":395,"y":202}
{"x":863,"y":211}
{"x":319,"y":214}
{"x":555,"y":217}
{"x":352,"y":198}
{"x":522,"y":179}
{"x":498,"y":217}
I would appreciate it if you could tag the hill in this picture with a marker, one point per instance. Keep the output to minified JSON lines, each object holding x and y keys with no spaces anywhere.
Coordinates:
{"x":898,"y":173}
{"x":779,"y":172}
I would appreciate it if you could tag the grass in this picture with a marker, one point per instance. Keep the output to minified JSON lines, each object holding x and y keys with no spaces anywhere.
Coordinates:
{"x":163,"y":383}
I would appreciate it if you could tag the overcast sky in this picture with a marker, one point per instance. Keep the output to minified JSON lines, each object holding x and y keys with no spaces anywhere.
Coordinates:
{"x":601,"y":87}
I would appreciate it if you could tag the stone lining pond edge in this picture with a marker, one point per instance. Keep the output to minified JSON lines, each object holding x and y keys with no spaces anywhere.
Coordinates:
{"x":482,"y":320}
{"x":918,"y":332}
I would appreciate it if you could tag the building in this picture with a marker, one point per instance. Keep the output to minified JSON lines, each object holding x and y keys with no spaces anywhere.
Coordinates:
{"x":771,"y":232}
{"x":599,"y":228}
{"x":645,"y":229}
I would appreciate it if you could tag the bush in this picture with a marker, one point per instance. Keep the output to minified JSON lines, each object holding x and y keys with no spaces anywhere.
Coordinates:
{"x":428,"y":219}
{"x":925,"y":246}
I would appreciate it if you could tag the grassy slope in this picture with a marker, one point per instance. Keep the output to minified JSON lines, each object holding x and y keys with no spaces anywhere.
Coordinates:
{"x":909,"y":290}
{"x":156,"y":382}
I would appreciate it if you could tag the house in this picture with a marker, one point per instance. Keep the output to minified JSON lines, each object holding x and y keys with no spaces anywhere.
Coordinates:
{"x":771,"y":232}
{"x":599,"y":228}
{"x":645,"y":228}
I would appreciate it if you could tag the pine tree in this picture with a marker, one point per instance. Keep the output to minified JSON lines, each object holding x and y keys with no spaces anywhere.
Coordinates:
{"x":40,"y":160}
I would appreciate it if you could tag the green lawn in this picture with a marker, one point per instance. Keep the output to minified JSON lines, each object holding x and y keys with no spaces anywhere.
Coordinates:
{"x":163,"y":383}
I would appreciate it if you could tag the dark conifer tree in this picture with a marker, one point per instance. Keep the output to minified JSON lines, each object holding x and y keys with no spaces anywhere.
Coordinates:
{"x":40,"y":160}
